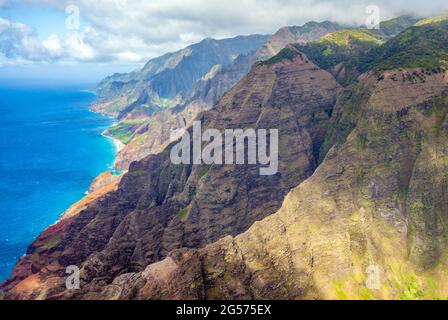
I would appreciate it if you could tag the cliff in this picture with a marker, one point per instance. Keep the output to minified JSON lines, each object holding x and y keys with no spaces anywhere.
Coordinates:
{"x":361,"y":186}
{"x":378,"y":200}
{"x":150,"y":134}
{"x":169,"y":207}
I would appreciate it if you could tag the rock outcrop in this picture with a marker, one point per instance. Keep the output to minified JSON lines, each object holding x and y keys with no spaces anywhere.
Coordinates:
{"x":376,"y":204}
{"x":163,"y":81}
{"x":357,"y":209}
{"x":160,"y":207}
{"x":152,"y":136}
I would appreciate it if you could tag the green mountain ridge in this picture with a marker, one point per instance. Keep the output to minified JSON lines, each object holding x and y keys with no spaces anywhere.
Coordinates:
{"x":170,"y":76}
{"x":423,"y":46}
{"x":361,"y":184}
{"x":152,"y":135}
{"x":358,"y":51}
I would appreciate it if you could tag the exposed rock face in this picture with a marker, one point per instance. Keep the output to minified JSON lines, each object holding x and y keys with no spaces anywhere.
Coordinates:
{"x":153,"y":136}
{"x":103,"y":180}
{"x":295,"y":34}
{"x":102,"y":185}
{"x":377,"y":201}
{"x":160,"y":207}
{"x":166,"y":80}
{"x":361,"y":188}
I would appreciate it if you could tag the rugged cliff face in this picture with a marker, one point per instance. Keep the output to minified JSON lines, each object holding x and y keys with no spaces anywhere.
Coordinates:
{"x":167,"y":80}
{"x":310,"y":31}
{"x":360,"y":196}
{"x":377,"y":201}
{"x":160,"y":207}
{"x":151,"y":135}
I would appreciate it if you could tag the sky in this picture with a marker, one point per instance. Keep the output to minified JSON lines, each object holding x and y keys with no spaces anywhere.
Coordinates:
{"x":80,"y":40}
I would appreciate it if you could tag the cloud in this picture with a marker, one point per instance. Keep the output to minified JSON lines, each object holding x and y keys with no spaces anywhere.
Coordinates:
{"x":136,"y":30}
{"x":18,"y":43}
{"x":54,"y":46}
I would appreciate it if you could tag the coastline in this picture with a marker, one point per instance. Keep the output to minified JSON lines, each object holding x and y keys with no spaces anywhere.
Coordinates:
{"x":118,"y":144}
{"x":61,"y":206}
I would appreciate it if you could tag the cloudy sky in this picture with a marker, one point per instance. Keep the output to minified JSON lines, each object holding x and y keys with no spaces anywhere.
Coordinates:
{"x":91,"y":38}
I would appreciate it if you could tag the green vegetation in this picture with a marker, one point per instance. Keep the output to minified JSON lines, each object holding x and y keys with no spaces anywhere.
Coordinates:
{"x":411,"y":288}
{"x":416,"y":47}
{"x":119,"y":105}
{"x":124,"y":130}
{"x":424,"y":46}
{"x":140,"y":138}
{"x":395,"y":26}
{"x":341,"y":46}
{"x":345,"y":121}
{"x":184,"y":213}
{"x":53,"y":242}
{"x":165,"y":102}
{"x":203,"y":171}
{"x":328,"y":52}
{"x":339,"y":289}
{"x":433,"y":20}
{"x":438,"y":110}
{"x":349,"y":37}
{"x":361,"y":141}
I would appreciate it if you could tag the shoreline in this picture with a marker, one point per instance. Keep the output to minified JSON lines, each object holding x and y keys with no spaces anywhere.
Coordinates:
{"x":118,"y":144}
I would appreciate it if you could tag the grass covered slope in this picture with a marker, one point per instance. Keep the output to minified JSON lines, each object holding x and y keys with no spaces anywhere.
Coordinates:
{"x":423,"y":46}
{"x":124,"y":130}
{"x":433,"y":20}
{"x":394,"y":26}
{"x":340,"y":46}
{"x":358,"y":51}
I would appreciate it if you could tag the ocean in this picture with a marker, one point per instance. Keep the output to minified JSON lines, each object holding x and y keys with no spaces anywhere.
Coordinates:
{"x":51,"y":148}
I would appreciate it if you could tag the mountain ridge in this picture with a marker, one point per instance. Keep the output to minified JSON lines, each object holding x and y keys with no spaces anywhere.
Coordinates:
{"x":152,"y":136}
{"x":361,"y":185}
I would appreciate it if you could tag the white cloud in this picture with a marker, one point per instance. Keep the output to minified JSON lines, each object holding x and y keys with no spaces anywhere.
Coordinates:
{"x":18,"y":43}
{"x":77,"y":47}
{"x":54,"y":46}
{"x":128,"y":56}
{"x":136,"y":30}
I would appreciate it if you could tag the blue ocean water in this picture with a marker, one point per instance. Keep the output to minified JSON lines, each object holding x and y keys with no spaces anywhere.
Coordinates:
{"x":51,"y":148}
